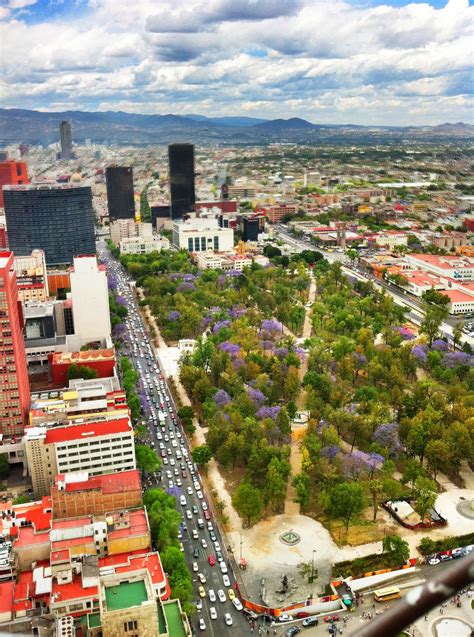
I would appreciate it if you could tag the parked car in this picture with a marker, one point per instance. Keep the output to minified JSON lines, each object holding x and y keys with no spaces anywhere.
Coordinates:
{"x":291,"y":632}
{"x":310,"y":621}
{"x":433,"y":560}
{"x":285,"y":618}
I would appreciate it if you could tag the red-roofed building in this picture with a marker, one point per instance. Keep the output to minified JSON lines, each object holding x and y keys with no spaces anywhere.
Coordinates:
{"x":99,"y":447}
{"x":76,"y":494}
{"x":460,"y":268}
{"x":102,"y":360}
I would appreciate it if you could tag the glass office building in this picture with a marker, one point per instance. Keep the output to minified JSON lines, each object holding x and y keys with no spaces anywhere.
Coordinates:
{"x":181,"y":179}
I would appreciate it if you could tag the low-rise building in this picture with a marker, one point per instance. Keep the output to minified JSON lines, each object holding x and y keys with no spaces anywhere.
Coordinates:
{"x":460,"y":268}
{"x":129,"y":228}
{"x":100,"y":360}
{"x":277,"y":212}
{"x":391,"y":238}
{"x":202,"y":234}
{"x":31,"y":277}
{"x":142,"y":245}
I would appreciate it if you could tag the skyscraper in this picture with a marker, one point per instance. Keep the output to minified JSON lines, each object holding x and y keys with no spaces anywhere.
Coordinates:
{"x":11,"y":173}
{"x":14,"y":385}
{"x":56,"y":219}
{"x":66,"y":140}
{"x":120,"y":197}
{"x":181,"y":179}
{"x":89,"y":289}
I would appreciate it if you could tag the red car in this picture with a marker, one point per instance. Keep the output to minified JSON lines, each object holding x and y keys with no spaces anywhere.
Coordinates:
{"x":212,"y":560}
{"x":207,"y":515}
{"x":331,"y":618}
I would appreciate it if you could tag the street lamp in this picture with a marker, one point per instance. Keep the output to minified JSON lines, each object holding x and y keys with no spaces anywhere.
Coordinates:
{"x":312,"y":567}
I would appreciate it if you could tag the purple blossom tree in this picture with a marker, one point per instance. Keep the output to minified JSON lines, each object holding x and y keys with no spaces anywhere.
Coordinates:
{"x":256,"y":396}
{"x":405,"y":333}
{"x":322,"y":424}
{"x":438,"y":345}
{"x":386,"y":435}
{"x":267,"y":345}
{"x":354,"y":463}
{"x":220,"y":325}
{"x":374,"y":462}
{"x":238,"y":363}
{"x":330,"y":452}
{"x":268,"y":412}
{"x":299,"y":351}
{"x":221,"y":398}
{"x":237,"y":312}
{"x":120,"y":300}
{"x":174,"y":315}
{"x":233,"y":273}
{"x":419,"y":352}
{"x":359,"y":359}
{"x":230,"y":348}
{"x":271,"y":327}
{"x":206,"y":321}
{"x":112,"y":282}
{"x":453,"y":359}
{"x":281,"y":352}
{"x":186,"y":287}
{"x":189,"y":278}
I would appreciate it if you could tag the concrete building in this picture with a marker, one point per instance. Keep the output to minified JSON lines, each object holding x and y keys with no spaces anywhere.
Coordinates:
{"x":56,"y":219}
{"x":202,"y":234}
{"x":103,"y":446}
{"x":14,"y":384}
{"x":65,"y":134}
{"x":276,"y":213}
{"x":90,"y":300}
{"x":391,"y":238}
{"x":12,"y":173}
{"x":450,"y":240}
{"x":32,"y":277}
{"x":77,"y":494}
{"x":140,"y":245}
{"x":459,"y":268}
{"x":226,"y":262}
{"x":242,"y":191}
{"x":129,"y":228}
{"x":100,"y":360}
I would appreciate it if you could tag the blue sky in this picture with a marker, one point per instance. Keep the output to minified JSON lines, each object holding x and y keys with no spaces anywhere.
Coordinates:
{"x":329,"y":61}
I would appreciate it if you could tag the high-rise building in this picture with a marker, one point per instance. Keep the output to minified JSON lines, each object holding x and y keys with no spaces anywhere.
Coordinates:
{"x":14,"y":385}
{"x":56,"y":219}
{"x":65,"y":134}
{"x":120,"y":198}
{"x":181,"y":179}
{"x":89,"y":290}
{"x":12,"y":173}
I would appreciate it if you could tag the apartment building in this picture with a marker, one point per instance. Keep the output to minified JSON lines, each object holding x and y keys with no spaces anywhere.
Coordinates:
{"x":31,"y":277}
{"x":142,"y":245}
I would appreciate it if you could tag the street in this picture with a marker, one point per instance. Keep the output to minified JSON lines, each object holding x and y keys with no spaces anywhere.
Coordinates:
{"x":178,"y":475}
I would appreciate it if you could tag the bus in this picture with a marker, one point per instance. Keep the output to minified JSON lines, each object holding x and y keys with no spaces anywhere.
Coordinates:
{"x":384,"y":594}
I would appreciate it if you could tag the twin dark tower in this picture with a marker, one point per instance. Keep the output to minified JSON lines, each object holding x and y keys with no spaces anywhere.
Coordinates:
{"x":181,"y":180}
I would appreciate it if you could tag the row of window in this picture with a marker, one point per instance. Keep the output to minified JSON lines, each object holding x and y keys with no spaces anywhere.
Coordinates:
{"x":202,"y":244}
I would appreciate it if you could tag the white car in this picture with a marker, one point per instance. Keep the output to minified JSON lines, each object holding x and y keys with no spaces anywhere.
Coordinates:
{"x":226,"y":581}
{"x":195,"y":567}
{"x":189,"y":490}
{"x":195,"y":535}
{"x":199,"y":495}
{"x":202,"y":578}
{"x":203,"y":543}
{"x":285,"y":618}
{"x":237,"y":603}
{"x":189,"y":515}
{"x":202,"y":624}
{"x":217,"y":546}
{"x":228,"y":619}
{"x":212,"y":595}
{"x":221,"y":595}
{"x":182,"y":501}
{"x":213,"y":612}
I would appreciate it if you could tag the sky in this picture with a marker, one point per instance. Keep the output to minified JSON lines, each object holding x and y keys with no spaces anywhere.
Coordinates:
{"x":366,"y":62}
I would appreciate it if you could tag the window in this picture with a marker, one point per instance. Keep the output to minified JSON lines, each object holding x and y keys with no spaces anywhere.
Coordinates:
{"x":216,"y":243}
{"x":203,"y":244}
{"x":190,"y":244}
{"x":196,"y":244}
{"x":128,"y":626}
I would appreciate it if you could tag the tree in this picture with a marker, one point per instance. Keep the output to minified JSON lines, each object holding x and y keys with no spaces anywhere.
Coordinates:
{"x":201,"y":455}
{"x":396,"y":549}
{"x":163,"y":517}
{"x":275,"y":483}
{"x":21,"y":499}
{"x":179,"y":577}
{"x":427,"y":546}
{"x":438,"y":455}
{"x":352,"y":255}
{"x":247,"y":502}
{"x":346,"y":501}
{"x":302,"y":487}
{"x":457,"y":334}
{"x":4,"y":466}
{"x":425,"y":493}
{"x":413,"y":469}
{"x":147,"y":460}
{"x":375,"y":488}
{"x":434,"y":297}
{"x":434,"y":316}
{"x":81,"y":371}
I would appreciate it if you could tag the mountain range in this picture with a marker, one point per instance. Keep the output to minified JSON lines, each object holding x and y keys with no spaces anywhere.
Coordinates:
{"x":39,"y":127}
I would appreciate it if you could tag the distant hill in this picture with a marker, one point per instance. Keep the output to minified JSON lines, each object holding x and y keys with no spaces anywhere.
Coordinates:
{"x":117,"y":127}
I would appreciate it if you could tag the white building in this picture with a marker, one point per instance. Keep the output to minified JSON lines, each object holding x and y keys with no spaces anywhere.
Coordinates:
{"x":391,"y":239}
{"x":202,"y":234}
{"x":459,"y":268}
{"x":142,"y":245}
{"x":90,"y":300}
{"x":31,"y":277}
{"x":213,"y":261}
{"x":127,"y":228}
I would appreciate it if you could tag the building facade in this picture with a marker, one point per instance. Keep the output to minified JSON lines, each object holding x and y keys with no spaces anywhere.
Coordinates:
{"x":56,"y":219}
{"x":14,"y":385}
{"x":31,"y":277}
{"x":181,"y":179}
{"x":142,"y":245}
{"x":202,"y":235}
{"x":128,"y":228}
{"x":12,"y":173}
{"x":120,"y":198}
{"x":89,"y":290}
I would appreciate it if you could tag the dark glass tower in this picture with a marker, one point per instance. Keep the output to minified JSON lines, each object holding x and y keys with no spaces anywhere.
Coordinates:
{"x":181,"y":178}
{"x":66,"y":140}
{"x":58,"y":220}
{"x":120,"y":197}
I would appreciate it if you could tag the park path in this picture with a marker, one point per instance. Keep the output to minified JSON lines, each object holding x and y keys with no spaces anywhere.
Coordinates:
{"x":297,"y":429}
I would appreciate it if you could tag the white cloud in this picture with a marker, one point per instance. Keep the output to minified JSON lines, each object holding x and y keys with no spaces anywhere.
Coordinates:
{"x":312,"y":58}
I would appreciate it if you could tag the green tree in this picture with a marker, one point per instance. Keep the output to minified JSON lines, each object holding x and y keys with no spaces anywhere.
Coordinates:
{"x":427,"y":546}
{"x":21,"y":499}
{"x":352,"y":255}
{"x":247,"y":501}
{"x":301,"y":484}
{"x":425,"y":494}
{"x":435,"y":297}
{"x":396,"y":549}
{"x":147,"y":460}
{"x":376,"y":489}
{"x":457,"y":334}
{"x":4,"y":466}
{"x":275,"y":483}
{"x":163,"y":517}
{"x":202,"y":454}
{"x":346,"y":501}
{"x":81,"y":371}
{"x":434,"y":316}
{"x":413,"y":470}
{"x":438,"y":456}
{"x":179,"y":577}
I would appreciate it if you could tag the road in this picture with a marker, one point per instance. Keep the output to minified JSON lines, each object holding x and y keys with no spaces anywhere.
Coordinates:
{"x":178,"y":475}
{"x":415,"y":308}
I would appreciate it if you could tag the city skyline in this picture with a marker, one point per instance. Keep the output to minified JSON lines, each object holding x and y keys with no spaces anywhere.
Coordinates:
{"x":372,"y":63}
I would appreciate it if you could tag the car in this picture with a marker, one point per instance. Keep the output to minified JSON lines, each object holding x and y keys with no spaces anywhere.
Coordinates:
{"x":212,"y":560}
{"x":331,"y":618}
{"x":179,"y":482}
{"x":455,"y":553}
{"x":189,"y":490}
{"x":213,"y":612}
{"x":196,"y":553}
{"x":172,"y":462}
{"x":444,"y":557}
{"x":195,"y":567}
{"x":226,"y":581}
{"x":221,"y":595}
{"x":199,"y":495}
{"x":310,"y":621}
{"x":228,"y":619}
{"x":223,"y":567}
{"x":203,"y":543}
{"x":217,"y":546}
{"x":433,"y":560}
{"x":198,"y":604}
{"x":237,"y":603}
{"x":182,"y":501}
{"x":220,"y":557}
{"x":170,"y":484}
{"x":202,"y":578}
{"x":204,"y":505}
{"x":189,"y":515}
{"x":201,"y":591}
{"x":231,"y":594}
{"x":195,"y":535}
{"x":202,"y":624}
{"x":211,"y":595}
{"x":291,"y":632}
{"x":194,"y":509}
{"x":207,"y":515}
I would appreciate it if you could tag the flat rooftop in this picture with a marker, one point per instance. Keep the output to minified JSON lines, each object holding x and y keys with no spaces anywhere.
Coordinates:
{"x":125,"y":595}
{"x":173,"y":619}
